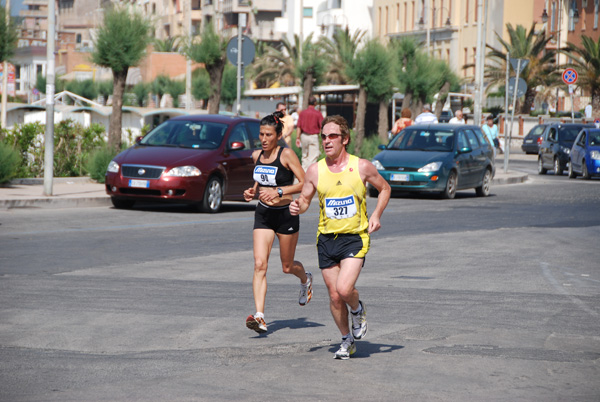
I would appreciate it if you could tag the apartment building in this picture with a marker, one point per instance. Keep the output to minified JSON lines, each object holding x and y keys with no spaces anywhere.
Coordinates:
{"x":448,"y":28}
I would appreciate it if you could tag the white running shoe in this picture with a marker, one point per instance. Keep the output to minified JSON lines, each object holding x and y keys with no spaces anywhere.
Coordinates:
{"x":346,"y":349}
{"x":256,"y":324}
{"x":359,"y":322}
{"x":306,"y":290}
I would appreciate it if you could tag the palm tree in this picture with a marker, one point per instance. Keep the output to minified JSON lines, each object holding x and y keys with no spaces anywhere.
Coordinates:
{"x":301,"y":63}
{"x":9,"y":35}
{"x":420,"y":77}
{"x":120,"y":43}
{"x":261,"y":70}
{"x":168,"y":45}
{"x":524,"y":45}
{"x":341,"y":50}
{"x":210,"y":49}
{"x":372,"y":69}
{"x":586,"y":61}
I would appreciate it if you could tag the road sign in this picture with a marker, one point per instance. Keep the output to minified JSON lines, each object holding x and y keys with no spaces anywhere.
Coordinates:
{"x":569,"y":76}
{"x":521,"y":87}
{"x":248,"y":50}
{"x":516,"y":66}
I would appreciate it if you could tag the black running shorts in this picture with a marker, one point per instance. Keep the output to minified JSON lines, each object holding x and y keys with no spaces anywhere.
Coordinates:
{"x":333,"y":248}
{"x":278,"y":219}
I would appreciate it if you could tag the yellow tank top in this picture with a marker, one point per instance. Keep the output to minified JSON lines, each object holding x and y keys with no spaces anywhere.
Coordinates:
{"x":342,"y":199}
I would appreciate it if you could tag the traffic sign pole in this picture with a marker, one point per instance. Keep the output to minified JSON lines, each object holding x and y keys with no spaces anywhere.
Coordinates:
{"x":569,"y":77}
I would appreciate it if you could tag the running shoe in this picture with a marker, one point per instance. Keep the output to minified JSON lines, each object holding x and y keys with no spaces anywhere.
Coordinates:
{"x":256,"y":324}
{"x":346,"y":349}
{"x":306,"y":290}
{"x":359,"y":322}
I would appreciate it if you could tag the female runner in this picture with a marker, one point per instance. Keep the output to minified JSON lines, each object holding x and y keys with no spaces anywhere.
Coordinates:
{"x":274,"y":174}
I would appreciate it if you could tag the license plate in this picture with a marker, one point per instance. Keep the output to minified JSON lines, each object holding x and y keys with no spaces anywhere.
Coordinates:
{"x":139,"y":183}
{"x":399,"y":177}
{"x":528,"y":140}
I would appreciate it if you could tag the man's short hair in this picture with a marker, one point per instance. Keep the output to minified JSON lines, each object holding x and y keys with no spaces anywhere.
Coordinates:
{"x":312,"y":100}
{"x":341,"y":122}
{"x":427,"y":106}
{"x":280,"y":104}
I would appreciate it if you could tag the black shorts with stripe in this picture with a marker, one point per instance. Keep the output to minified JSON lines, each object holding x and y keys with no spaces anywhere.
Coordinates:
{"x":333,"y":248}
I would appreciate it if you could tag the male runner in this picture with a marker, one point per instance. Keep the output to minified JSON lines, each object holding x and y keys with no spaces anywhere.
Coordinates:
{"x":343,"y":234}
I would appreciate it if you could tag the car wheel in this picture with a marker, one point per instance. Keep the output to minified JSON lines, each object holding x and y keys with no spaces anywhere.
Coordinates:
{"x":484,"y":189}
{"x":584,"y":170}
{"x":572,"y":173}
{"x":450,"y":190}
{"x":541,"y":168}
{"x":558,"y":169}
{"x":121,"y":203}
{"x":213,"y":196}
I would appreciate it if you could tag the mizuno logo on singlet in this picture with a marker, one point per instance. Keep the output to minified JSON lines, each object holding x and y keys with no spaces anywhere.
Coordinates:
{"x":339,"y":202}
{"x":265,"y":169}
{"x":339,"y":183}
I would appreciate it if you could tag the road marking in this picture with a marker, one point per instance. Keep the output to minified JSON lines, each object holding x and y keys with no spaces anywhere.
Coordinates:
{"x":548,"y":275}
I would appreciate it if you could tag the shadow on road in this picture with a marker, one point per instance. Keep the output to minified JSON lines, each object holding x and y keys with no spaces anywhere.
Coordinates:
{"x":296,"y":323}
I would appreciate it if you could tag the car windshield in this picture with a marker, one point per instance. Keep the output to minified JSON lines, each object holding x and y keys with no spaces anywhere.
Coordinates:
{"x":423,"y":140}
{"x":186,"y":134}
{"x":568,"y":134}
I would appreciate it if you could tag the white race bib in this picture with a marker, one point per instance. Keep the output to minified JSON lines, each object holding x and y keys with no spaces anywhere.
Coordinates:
{"x":340,"y":208}
{"x":265,"y":175}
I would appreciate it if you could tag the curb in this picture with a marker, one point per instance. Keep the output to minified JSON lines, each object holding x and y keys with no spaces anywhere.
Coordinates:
{"x":52,"y":203}
{"x":511,"y":180}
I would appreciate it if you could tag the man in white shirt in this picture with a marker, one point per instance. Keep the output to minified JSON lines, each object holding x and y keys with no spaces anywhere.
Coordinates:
{"x":588,"y":111}
{"x":458,"y":118}
{"x":426,"y":117}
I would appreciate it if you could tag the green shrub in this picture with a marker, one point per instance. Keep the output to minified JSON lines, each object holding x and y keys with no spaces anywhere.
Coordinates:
{"x":9,"y":162}
{"x":98,"y":162}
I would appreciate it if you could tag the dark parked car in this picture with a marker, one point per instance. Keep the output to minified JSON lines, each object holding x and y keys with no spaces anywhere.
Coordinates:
{"x":445,"y":116}
{"x":531,"y":142}
{"x":200,"y":160}
{"x":555,"y":147}
{"x":437,"y":158}
{"x":585,"y":154}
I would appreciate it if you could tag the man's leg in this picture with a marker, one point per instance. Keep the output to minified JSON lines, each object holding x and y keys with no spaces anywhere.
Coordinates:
{"x":313,"y":149}
{"x":305,"y":141}
{"x":340,"y":280}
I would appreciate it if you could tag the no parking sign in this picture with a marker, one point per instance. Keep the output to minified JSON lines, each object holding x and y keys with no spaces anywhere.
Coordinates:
{"x":569,"y":76}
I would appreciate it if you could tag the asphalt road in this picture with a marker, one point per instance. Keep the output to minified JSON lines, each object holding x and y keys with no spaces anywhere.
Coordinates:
{"x":491,"y":298}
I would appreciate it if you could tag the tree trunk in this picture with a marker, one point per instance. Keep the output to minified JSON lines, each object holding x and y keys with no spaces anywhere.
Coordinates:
{"x":215,"y":73}
{"x":116,"y":118}
{"x":595,"y":102}
{"x":529,"y":101}
{"x":307,"y":90}
{"x":406,"y":102}
{"x":442,"y":96}
{"x":360,"y":119}
{"x":383,"y":128}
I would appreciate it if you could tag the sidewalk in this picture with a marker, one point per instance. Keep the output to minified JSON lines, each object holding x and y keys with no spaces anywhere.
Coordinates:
{"x":74,"y":192}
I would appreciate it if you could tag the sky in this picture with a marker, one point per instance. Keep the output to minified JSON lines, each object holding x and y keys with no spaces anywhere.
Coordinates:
{"x":15,"y":6}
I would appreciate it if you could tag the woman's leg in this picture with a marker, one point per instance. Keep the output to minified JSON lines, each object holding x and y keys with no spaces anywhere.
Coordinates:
{"x":263,"y":242}
{"x":287,"y":247}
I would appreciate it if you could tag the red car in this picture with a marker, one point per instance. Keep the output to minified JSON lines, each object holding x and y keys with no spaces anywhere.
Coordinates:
{"x":200,"y":160}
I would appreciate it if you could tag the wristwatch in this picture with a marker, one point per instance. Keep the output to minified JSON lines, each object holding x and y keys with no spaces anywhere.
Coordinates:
{"x":280,"y":192}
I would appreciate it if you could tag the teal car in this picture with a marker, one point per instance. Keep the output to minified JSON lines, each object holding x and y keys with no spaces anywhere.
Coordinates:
{"x":439,"y":158}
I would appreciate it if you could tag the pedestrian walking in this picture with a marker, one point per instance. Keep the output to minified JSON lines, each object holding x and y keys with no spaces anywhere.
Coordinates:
{"x":288,"y":124}
{"x":491,"y":131}
{"x":403,"y":122}
{"x":426,"y":117}
{"x":343,"y":235}
{"x":458,"y":118}
{"x":309,"y":127}
{"x":275,"y":169}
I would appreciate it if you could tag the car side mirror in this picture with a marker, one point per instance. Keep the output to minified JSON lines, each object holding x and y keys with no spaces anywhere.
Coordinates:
{"x":139,"y":139}
{"x":236,"y":146}
{"x":382,"y":147}
{"x":464,"y":150}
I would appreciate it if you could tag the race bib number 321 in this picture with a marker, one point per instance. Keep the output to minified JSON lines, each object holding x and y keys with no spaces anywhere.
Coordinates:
{"x":340,"y":208}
